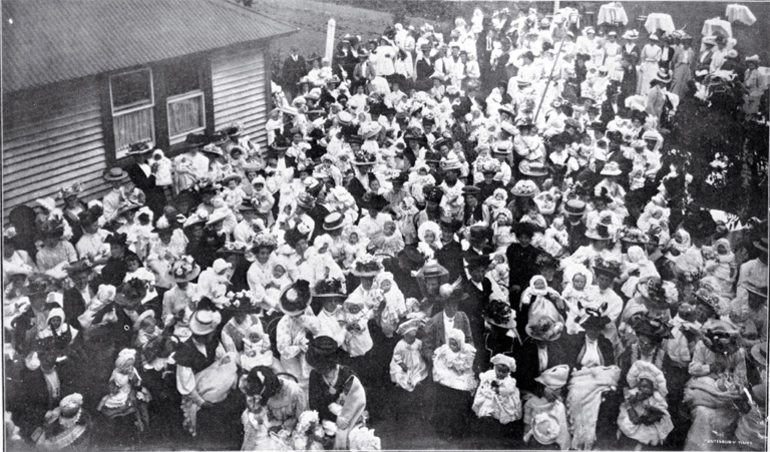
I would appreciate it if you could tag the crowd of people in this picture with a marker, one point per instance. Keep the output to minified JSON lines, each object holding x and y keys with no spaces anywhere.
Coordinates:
{"x":515,"y":264}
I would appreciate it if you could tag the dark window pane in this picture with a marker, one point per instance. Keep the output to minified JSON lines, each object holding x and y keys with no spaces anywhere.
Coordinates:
{"x":183,"y":77}
{"x":131,"y":89}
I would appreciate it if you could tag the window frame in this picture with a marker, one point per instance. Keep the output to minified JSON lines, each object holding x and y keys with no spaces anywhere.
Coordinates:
{"x":176,"y":139}
{"x":121,"y":153}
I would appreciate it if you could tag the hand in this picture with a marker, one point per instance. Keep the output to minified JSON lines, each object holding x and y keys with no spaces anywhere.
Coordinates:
{"x":154,"y":167}
{"x":342,"y":423}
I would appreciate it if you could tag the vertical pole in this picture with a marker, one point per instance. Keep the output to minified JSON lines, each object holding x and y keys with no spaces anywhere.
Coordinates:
{"x":555,"y":6}
{"x":330,"y":39}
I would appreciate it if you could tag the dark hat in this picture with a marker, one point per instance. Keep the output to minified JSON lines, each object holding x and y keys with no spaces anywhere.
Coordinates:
{"x":525,"y":228}
{"x":358,"y":139}
{"x":545,"y":260}
{"x":402,"y":178}
{"x":293,"y":236}
{"x":196,"y":140}
{"x":79,"y":266}
{"x":654,"y":328}
{"x":610,"y":268}
{"x":374,"y":201}
{"x":330,"y":288}
{"x":471,"y":190}
{"x":432,"y":156}
{"x":131,"y":293}
{"x":116,"y":239}
{"x":441,"y":142}
{"x":528,"y":54}
{"x":478,"y":261}
{"x":575,"y":207}
{"x":594,"y":319}
{"x":295,"y":298}
{"x":323,"y":350}
{"x":432,"y":193}
{"x":410,"y":258}
{"x":452,"y":225}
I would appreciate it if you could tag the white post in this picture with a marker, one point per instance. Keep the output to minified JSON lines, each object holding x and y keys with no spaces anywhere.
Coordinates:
{"x":330,"y":39}
{"x":555,"y":6}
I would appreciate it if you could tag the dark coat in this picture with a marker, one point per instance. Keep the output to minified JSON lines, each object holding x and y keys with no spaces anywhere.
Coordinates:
{"x":293,"y":71}
{"x":527,"y":369}
{"x":435,"y":335}
{"x":606,"y":349}
{"x":451,"y":258}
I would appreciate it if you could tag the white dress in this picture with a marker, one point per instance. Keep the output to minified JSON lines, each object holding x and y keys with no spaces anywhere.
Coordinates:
{"x":416,"y":369}
{"x":497,"y":398}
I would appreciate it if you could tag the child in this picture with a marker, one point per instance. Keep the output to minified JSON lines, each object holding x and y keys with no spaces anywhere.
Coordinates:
{"x":163,"y":176}
{"x":539,"y":294}
{"x":455,"y":382}
{"x":496,"y":202}
{"x":406,"y":220}
{"x":547,"y":421}
{"x":503,"y":234}
{"x":153,"y":344}
{"x":533,"y":215}
{"x":498,"y":395}
{"x":395,"y":307}
{"x":256,"y":435}
{"x":555,"y":240}
{"x":722,"y":266}
{"x":685,"y":334}
{"x":635,"y":268}
{"x":577,"y":292}
{"x":392,"y":241}
{"x":309,"y":433}
{"x":126,"y":395}
{"x":256,"y":349}
{"x":407,"y":367}
{"x":429,"y":234}
{"x":644,"y":414}
{"x":499,"y":273}
{"x":355,"y":319}
{"x":418,"y":179}
{"x":140,"y":232}
{"x":353,"y":247}
{"x":232,"y":193}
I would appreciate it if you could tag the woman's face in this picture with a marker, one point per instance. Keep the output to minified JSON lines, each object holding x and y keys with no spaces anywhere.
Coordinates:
{"x":263,"y":254}
{"x":431,"y":286}
{"x":51,"y":242}
{"x":579,"y":282}
{"x":117,"y":251}
{"x":367,"y":282}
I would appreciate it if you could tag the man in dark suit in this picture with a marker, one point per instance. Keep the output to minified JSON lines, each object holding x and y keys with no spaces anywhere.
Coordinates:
{"x":142,"y":174}
{"x":423,"y":67}
{"x":294,"y":68}
{"x":451,"y":253}
{"x":435,"y":331}
{"x":612,"y":106}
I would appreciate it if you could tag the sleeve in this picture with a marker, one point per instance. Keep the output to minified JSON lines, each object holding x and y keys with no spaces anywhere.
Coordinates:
{"x":185,"y":384}
{"x":429,"y":341}
{"x":698,"y":366}
{"x":355,"y":402}
{"x":284,"y":341}
{"x":168,"y":306}
{"x":466,"y":328}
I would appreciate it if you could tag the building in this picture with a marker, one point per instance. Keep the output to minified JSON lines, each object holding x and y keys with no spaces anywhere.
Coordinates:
{"x":84,"y":79}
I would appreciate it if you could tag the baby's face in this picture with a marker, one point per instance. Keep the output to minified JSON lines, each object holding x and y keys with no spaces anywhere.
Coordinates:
{"x":353,"y":239}
{"x":354,"y":309}
{"x":231,"y":184}
{"x":646,"y":387}
{"x":579,"y":282}
{"x":539,"y":284}
{"x":657,"y":214}
{"x":501,"y":371}
{"x":430,"y":237}
{"x":500,"y":196}
{"x":254,"y":337}
{"x":385,"y":286}
{"x":410,"y":337}
{"x":374,"y":185}
{"x":324,"y":248}
{"x":454,"y":345}
{"x":132,"y":265}
{"x":390,"y":229}
{"x":278,"y":272}
{"x":721,"y":249}
{"x":148,"y":326}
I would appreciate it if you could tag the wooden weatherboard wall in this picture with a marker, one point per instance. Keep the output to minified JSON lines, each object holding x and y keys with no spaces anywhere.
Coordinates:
{"x":239,"y":89}
{"x":52,"y":137}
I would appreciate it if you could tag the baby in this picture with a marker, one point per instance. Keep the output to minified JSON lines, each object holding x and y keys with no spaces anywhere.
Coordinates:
{"x":556,"y":238}
{"x":721,"y":264}
{"x":392,"y":240}
{"x":154,"y":344}
{"x":500,"y":272}
{"x":644,"y":414}
{"x":496,"y":202}
{"x":544,"y":420}
{"x":576,"y":293}
{"x":498,"y":395}
{"x":232,"y":193}
{"x":353,"y":246}
{"x":417,"y":180}
{"x":355,"y":320}
{"x":395,"y":307}
{"x":538,"y":293}
{"x":407,"y":367}
{"x":533,"y":215}
{"x":406,"y":217}
{"x":429,"y":234}
{"x":636,"y":267}
{"x":256,"y":349}
{"x":685,"y":334}
{"x":163,"y":176}
{"x":125,"y":390}
{"x":453,"y":363}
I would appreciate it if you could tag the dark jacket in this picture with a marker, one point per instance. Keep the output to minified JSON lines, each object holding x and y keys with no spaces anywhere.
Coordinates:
{"x":527,"y":369}
{"x":435,"y":335}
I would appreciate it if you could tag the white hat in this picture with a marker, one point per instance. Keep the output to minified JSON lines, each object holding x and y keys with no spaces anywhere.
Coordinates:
{"x":220,"y":265}
{"x":204,"y":322}
{"x":504,"y":360}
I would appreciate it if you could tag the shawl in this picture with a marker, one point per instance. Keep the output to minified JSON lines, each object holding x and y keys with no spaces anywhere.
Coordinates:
{"x":585,"y":396}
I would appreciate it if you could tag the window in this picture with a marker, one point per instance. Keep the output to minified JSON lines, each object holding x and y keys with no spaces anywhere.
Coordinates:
{"x":186,"y":108}
{"x":133,"y":100}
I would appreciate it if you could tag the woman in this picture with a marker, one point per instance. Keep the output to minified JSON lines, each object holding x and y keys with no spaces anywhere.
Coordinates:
{"x":73,"y":207}
{"x":68,"y":427}
{"x":280,"y":396}
{"x":682,"y":65}
{"x":261,"y":271}
{"x":294,"y":330}
{"x":56,"y":252}
{"x":204,"y":375}
{"x":718,"y":370}
{"x":649,"y":58}
{"x":335,"y":392}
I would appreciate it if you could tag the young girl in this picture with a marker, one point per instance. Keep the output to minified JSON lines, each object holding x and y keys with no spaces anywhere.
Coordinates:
{"x":498,"y":395}
{"x":256,"y":349}
{"x":394,"y":307}
{"x":644,"y":414}
{"x":355,"y":319}
{"x":407,"y":367}
{"x":429,"y":234}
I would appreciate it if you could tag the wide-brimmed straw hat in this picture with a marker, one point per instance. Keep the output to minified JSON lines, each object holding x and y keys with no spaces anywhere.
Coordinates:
{"x":204,"y":322}
{"x":184,"y":269}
